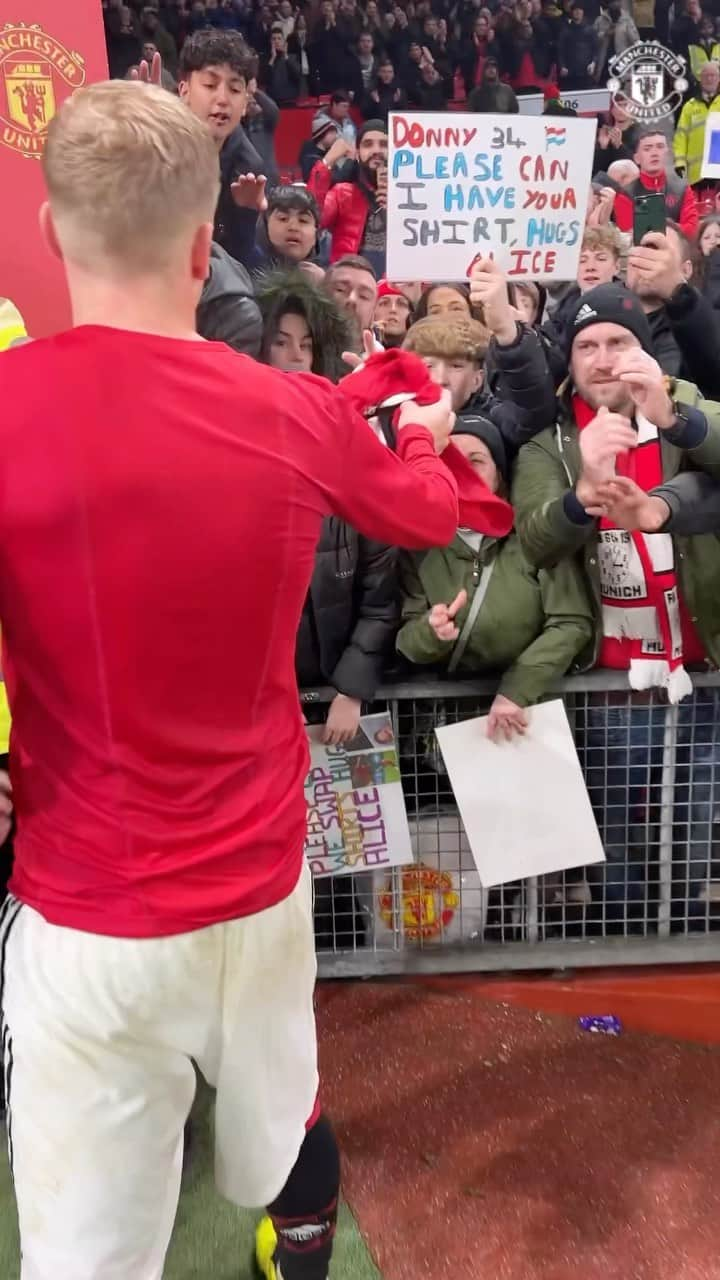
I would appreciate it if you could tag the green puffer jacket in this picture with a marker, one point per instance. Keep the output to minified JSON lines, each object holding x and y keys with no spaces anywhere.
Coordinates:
{"x":548,"y":467}
{"x":531,"y":623}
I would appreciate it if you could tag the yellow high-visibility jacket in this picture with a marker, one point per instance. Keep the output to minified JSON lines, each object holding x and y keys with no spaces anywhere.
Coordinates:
{"x":4,"y":720}
{"x":702,"y":53}
{"x":11,"y":324}
{"x":690,"y":136}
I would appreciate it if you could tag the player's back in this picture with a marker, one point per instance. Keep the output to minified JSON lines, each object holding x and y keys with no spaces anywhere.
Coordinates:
{"x":161,"y":502}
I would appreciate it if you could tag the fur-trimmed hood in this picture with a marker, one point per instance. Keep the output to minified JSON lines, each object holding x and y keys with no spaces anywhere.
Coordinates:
{"x":278,"y":291}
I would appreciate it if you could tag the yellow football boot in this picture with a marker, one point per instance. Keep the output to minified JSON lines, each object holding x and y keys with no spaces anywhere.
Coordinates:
{"x":265,"y":1246}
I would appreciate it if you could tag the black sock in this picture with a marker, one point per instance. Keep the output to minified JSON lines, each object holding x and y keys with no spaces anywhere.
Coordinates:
{"x":305,"y":1213}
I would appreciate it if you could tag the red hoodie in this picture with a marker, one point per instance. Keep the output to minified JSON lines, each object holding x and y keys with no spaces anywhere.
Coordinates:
{"x":343,"y":211}
{"x":686,"y":214}
{"x":161,"y":504}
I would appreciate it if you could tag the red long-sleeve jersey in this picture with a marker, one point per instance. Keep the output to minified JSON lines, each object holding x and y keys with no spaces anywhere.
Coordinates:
{"x":161,"y":502}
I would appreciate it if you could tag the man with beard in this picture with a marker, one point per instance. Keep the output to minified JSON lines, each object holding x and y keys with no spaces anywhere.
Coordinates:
{"x":620,"y":416}
{"x":656,"y":598}
{"x":351,"y":283}
{"x":354,"y":211}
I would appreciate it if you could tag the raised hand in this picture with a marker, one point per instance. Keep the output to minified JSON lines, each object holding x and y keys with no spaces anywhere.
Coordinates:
{"x":630,"y":507}
{"x":600,"y":215}
{"x":370,"y":348}
{"x":488,"y":289}
{"x":600,"y":443}
{"x":656,"y":264}
{"x":151,"y":74}
{"x":647,"y":385}
{"x":248,"y":191}
{"x":341,"y":149}
{"x":442,"y":617}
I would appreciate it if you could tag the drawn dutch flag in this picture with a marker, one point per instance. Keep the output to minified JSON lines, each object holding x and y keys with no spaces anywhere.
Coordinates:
{"x":554,"y":137}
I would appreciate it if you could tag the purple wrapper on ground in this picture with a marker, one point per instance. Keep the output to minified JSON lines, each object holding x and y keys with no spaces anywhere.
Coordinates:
{"x":605,"y":1024}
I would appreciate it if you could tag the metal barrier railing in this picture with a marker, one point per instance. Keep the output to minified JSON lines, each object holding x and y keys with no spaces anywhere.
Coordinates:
{"x":653,"y":776}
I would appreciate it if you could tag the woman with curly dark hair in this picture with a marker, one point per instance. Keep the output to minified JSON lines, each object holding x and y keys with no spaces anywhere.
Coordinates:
{"x":304,"y":331}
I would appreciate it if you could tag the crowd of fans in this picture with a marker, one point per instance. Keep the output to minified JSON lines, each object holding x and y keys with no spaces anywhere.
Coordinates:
{"x":596,"y":552}
{"x":418,"y":52}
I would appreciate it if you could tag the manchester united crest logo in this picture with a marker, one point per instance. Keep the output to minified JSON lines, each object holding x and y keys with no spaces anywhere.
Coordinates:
{"x":428,"y":902}
{"x":36,"y":74}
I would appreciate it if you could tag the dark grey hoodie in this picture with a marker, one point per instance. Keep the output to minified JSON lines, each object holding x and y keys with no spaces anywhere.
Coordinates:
{"x":227,"y":311}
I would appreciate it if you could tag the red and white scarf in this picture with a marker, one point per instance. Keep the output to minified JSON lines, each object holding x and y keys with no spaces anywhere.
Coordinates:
{"x":640,"y":596}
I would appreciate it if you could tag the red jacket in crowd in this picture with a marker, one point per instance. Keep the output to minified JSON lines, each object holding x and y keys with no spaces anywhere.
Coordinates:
{"x":680,"y":202}
{"x":343,"y":211}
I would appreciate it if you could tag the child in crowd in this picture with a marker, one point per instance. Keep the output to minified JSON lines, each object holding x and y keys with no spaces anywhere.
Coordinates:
{"x":455,"y":353}
{"x":284,"y":234}
{"x":599,"y":263}
{"x":478,"y":606}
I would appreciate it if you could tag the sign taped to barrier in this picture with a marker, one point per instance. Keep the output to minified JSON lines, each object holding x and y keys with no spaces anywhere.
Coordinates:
{"x":357,"y":819}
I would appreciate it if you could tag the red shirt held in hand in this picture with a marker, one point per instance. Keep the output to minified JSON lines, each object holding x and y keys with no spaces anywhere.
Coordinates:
{"x":161,"y":503}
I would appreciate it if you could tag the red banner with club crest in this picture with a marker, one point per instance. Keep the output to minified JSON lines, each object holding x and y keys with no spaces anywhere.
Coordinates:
{"x":47,"y":50}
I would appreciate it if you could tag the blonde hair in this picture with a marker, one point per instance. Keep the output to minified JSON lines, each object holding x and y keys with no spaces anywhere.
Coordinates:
{"x":449,"y":339}
{"x":129,"y":172}
{"x":608,"y":238}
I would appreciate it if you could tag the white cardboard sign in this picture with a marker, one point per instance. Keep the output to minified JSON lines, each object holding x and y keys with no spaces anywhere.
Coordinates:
{"x":464,"y":185}
{"x":524,"y":804}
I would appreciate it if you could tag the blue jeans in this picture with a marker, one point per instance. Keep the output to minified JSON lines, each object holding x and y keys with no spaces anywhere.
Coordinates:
{"x":621,"y":752}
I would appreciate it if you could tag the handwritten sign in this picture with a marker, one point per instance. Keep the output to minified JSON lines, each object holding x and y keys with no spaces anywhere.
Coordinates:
{"x":356,"y":811}
{"x":466,"y":185}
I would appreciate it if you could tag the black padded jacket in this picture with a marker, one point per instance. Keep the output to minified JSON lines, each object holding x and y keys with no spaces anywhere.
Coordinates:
{"x":351,"y":614}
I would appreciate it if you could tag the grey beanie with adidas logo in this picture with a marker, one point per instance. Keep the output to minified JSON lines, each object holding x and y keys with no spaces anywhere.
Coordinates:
{"x":609,"y":304}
